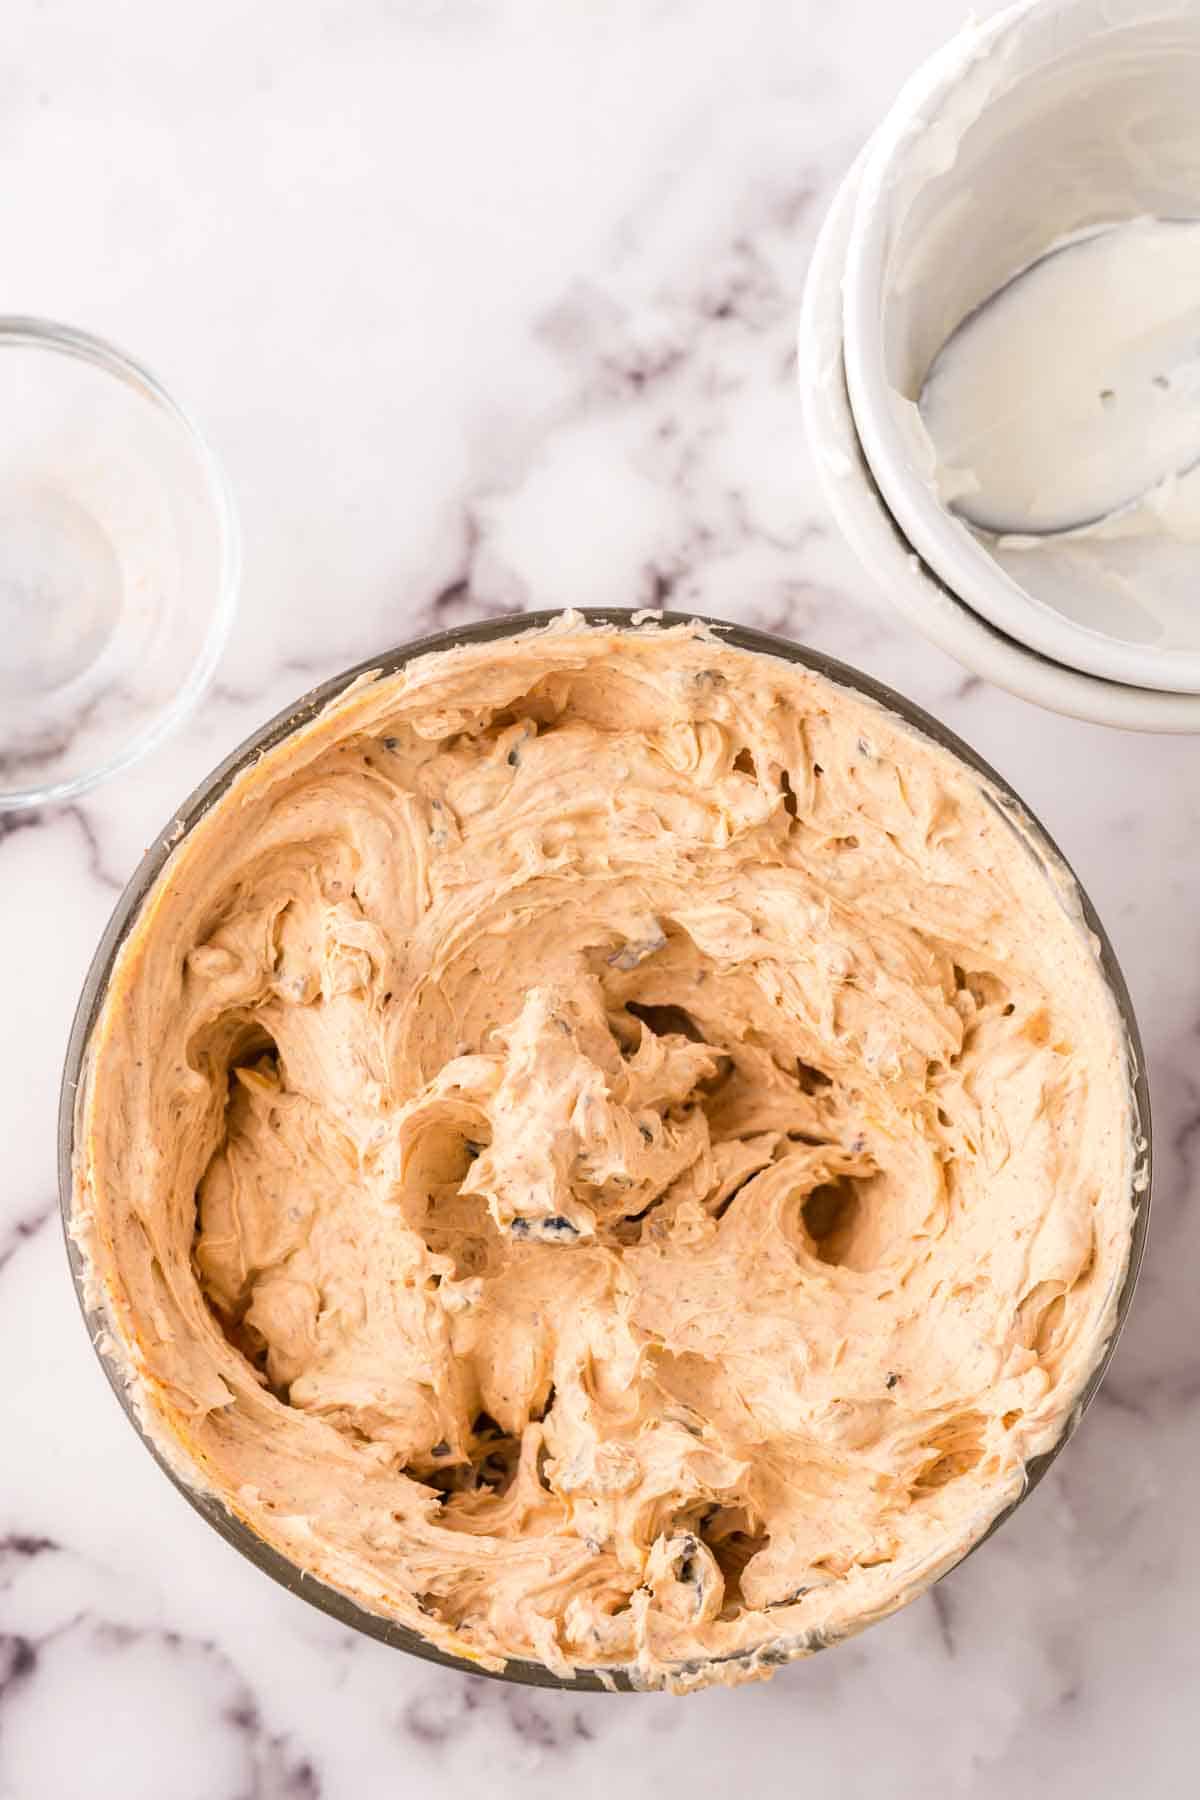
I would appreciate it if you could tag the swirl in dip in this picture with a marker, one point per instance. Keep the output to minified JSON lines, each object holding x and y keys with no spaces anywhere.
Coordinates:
{"x":608,"y":1149}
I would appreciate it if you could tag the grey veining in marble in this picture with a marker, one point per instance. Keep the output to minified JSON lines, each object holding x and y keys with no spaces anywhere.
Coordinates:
{"x":490,"y":304}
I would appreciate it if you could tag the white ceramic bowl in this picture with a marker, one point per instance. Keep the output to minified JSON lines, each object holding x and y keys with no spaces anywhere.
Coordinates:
{"x":1055,"y":116}
{"x":118,"y":561}
{"x":888,"y":557}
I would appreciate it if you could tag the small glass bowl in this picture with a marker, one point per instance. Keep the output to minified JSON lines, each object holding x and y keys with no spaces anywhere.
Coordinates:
{"x":119,"y":561}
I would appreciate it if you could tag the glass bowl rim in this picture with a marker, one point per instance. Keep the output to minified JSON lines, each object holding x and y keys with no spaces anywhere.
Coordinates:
{"x":26,"y":331}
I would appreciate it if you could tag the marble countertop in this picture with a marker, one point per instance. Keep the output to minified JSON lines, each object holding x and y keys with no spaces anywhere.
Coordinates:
{"x":489,"y":305}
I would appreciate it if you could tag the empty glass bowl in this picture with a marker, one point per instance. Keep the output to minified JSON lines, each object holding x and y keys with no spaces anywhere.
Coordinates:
{"x":118,"y":561}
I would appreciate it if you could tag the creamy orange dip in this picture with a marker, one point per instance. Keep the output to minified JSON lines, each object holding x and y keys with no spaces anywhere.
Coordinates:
{"x":608,"y":1149}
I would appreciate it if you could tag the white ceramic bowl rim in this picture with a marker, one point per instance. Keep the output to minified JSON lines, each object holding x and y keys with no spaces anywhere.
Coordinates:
{"x":884,"y":552}
{"x":945,"y":543}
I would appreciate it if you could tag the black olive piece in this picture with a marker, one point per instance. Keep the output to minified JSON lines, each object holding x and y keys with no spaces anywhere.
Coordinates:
{"x":789,"y":1599}
{"x":555,"y":1229}
{"x":541,"y":1411}
{"x":688,"y":1570}
{"x":557,"y":1226}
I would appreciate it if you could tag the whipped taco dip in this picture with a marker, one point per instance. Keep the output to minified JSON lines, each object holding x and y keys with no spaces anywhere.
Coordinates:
{"x":609,"y":1149}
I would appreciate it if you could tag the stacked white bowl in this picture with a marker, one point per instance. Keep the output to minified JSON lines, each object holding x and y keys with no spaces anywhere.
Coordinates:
{"x":1055,"y":119}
